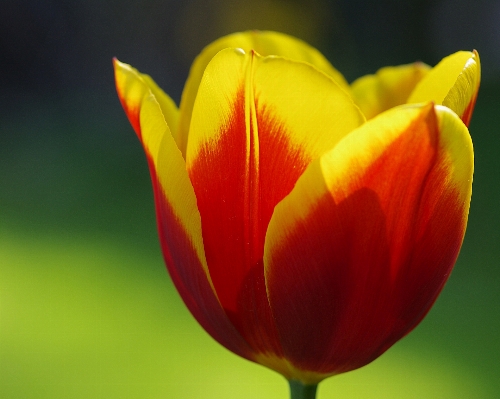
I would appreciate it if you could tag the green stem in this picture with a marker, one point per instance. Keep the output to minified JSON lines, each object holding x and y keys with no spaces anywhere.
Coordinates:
{"x":301,"y":391}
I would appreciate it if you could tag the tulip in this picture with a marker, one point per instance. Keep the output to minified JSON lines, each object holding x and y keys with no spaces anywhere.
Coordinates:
{"x":299,"y":234}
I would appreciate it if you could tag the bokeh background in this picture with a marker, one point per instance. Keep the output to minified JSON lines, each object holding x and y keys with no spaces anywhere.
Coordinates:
{"x":87,"y":309}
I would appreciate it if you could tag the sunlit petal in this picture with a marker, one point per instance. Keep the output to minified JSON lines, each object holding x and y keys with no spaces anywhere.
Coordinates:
{"x":249,"y":142}
{"x":133,"y":86}
{"x":179,"y":222}
{"x":358,"y":252}
{"x":454,"y":82}
{"x":264,"y":43}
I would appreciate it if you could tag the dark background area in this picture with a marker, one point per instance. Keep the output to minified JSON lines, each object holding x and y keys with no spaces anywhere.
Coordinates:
{"x":86,"y":307}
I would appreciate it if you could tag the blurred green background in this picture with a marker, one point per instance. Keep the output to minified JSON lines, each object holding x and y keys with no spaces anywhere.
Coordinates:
{"x":87,"y":309}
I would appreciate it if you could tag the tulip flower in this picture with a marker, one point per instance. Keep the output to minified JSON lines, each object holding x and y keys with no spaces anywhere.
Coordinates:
{"x":308,"y":225}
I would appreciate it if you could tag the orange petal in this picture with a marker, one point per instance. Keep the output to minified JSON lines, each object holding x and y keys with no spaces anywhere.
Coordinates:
{"x":357,"y":253}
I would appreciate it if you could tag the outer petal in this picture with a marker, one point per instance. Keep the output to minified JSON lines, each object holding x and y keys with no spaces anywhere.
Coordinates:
{"x":388,"y":88}
{"x":358,"y":252}
{"x":133,"y":87}
{"x":178,"y":217}
{"x":263,"y":42}
{"x":454,"y":82}
{"x":257,"y":123}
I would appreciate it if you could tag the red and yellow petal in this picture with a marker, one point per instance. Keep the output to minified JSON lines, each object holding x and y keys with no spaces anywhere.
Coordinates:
{"x":178,"y":218}
{"x":358,"y":252}
{"x":133,"y":86}
{"x":388,"y":88}
{"x":257,"y":124}
{"x":454,"y":83}
{"x":263,"y":42}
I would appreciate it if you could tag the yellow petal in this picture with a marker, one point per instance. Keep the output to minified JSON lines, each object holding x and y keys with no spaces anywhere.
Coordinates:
{"x":388,"y":88}
{"x":133,"y":87}
{"x":263,"y":42}
{"x":170,"y":172}
{"x":454,"y":83}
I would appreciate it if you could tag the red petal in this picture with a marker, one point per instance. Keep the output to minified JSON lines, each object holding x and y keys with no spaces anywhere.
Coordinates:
{"x":360,"y":249}
{"x":254,"y":130}
{"x":189,"y":278}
